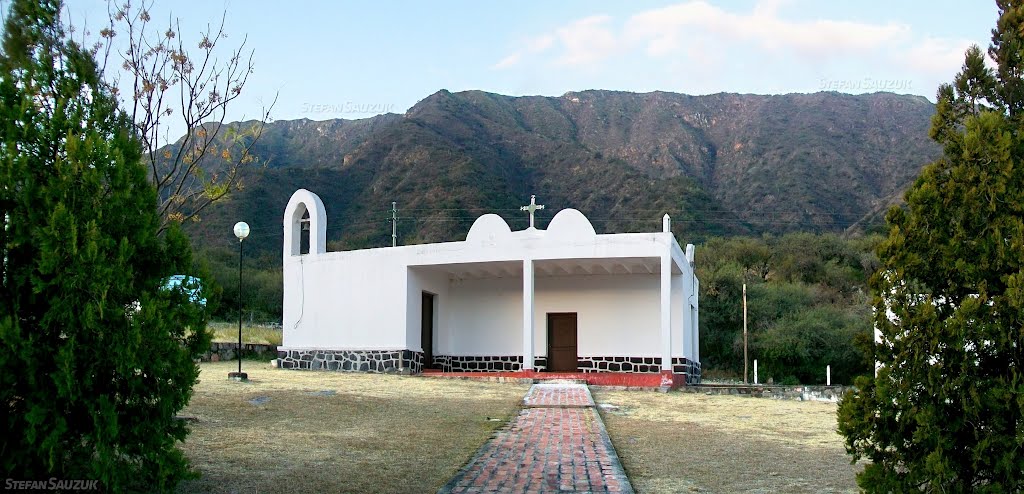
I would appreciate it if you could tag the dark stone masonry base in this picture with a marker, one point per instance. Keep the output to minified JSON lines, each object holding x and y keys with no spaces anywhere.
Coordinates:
{"x":381,"y":361}
{"x":513,"y":363}
{"x":411,"y":362}
{"x":472,"y":363}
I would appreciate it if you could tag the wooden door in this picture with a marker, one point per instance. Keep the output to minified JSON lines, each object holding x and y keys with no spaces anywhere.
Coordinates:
{"x":427,"y":330}
{"x":562,"y":342}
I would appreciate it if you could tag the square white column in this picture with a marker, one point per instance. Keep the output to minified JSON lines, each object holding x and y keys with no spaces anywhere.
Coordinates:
{"x":696,"y":333}
{"x":666,"y":311}
{"x":528,"y":324}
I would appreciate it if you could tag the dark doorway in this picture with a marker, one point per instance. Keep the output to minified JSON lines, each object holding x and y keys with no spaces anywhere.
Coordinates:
{"x":427,"y":330}
{"x":562,"y":342}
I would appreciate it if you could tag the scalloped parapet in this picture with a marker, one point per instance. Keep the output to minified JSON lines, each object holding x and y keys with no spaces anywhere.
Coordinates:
{"x":488,"y":228}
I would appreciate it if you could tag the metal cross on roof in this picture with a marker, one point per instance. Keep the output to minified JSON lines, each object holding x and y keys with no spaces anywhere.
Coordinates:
{"x":533,"y":207}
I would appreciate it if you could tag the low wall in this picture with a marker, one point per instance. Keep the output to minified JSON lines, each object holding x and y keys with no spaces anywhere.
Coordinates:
{"x":801,"y":393}
{"x":591,"y":364}
{"x":383,"y":361}
{"x":226,"y":351}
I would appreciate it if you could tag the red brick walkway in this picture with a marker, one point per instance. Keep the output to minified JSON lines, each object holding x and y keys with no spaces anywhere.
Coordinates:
{"x":558,"y":395}
{"x":556,"y":444}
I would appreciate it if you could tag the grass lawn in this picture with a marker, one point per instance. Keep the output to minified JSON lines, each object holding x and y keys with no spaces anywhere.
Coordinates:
{"x":684,"y":442}
{"x":301,"y":431}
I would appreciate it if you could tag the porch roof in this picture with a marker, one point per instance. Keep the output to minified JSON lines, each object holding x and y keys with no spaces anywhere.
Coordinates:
{"x":550,"y":267}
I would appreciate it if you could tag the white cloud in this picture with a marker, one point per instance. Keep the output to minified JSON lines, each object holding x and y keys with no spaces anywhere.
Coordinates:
{"x":531,"y":46}
{"x":586,"y":41}
{"x":540,"y":43}
{"x":697,"y":39}
{"x":666,"y":31}
{"x":509,"y":61}
{"x":936,"y":55}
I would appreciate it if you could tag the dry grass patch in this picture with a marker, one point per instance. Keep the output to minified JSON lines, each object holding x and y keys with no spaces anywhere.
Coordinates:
{"x":227,"y":332}
{"x":301,"y":431}
{"x":684,"y":442}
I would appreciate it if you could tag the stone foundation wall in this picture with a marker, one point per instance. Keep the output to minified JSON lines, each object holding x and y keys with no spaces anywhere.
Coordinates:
{"x":509,"y":363}
{"x":411,"y":362}
{"x":226,"y":351}
{"x":800,"y":393}
{"x":680,"y":365}
{"x":382,"y":361}
{"x":489,"y":363}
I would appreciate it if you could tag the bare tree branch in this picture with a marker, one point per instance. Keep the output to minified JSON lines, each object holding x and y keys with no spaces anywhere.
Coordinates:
{"x":176,"y":84}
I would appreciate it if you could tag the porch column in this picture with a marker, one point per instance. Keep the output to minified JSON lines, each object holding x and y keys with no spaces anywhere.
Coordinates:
{"x":696,"y":333}
{"x":666,"y":312}
{"x":528,"y":314}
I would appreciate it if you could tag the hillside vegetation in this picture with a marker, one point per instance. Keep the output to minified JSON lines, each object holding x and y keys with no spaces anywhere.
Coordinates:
{"x":807,"y":306}
{"x":722,"y":165}
{"x":792,"y":180}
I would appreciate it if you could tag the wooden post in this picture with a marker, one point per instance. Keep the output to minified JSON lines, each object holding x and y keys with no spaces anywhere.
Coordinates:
{"x":745,"y":334}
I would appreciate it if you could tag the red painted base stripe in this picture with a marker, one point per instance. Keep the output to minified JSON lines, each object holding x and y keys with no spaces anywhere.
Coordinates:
{"x":665,"y":379}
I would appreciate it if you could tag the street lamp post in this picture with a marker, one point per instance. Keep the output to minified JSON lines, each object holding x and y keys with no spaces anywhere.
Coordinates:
{"x":241,"y":231}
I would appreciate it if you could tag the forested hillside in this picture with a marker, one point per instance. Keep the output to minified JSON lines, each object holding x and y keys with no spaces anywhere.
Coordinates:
{"x":776,"y":191}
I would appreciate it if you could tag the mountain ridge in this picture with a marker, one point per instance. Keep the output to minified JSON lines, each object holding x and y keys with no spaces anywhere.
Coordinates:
{"x":722,"y":164}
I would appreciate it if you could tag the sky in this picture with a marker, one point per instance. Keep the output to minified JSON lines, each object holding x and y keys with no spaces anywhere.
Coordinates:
{"x":353,"y":59}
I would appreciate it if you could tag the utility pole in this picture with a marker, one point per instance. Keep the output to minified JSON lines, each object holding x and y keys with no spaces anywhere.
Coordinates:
{"x":744,"y":333}
{"x":394,"y":224}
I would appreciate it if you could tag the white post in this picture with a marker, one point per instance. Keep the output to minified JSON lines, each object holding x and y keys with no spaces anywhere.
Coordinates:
{"x":666,"y":223}
{"x":755,"y":371}
{"x":666,"y":311}
{"x":744,"y":333}
{"x":828,"y":375}
{"x":528,"y":314}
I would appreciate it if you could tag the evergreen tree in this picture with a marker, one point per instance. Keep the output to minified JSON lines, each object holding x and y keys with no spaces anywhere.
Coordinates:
{"x":946,"y":409}
{"x":95,"y":356}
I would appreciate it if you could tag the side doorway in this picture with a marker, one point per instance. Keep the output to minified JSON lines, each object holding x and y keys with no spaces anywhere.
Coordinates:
{"x":427,"y":330}
{"x":562,"y":352}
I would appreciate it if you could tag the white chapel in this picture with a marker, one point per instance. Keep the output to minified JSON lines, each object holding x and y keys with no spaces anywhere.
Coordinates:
{"x":529,"y":302}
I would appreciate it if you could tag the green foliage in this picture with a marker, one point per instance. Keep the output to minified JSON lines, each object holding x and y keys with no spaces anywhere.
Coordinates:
{"x":799,"y":345}
{"x":95,"y":357}
{"x":262,"y":285}
{"x":946,"y":410}
{"x":806,"y":305}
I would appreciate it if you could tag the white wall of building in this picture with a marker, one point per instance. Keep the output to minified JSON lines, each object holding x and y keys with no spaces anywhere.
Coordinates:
{"x":616,"y":314}
{"x":484,"y":317}
{"x":344,"y":301}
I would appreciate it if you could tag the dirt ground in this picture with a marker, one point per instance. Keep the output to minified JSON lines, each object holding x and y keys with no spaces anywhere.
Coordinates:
{"x":684,"y":442}
{"x":296,"y":431}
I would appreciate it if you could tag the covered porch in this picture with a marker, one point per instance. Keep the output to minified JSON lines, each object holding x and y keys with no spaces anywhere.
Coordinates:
{"x":622,"y":321}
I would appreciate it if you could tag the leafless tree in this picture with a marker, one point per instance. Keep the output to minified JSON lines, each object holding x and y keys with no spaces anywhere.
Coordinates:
{"x":165,"y":83}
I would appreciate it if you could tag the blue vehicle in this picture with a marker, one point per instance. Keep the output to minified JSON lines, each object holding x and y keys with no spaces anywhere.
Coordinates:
{"x":191,"y":285}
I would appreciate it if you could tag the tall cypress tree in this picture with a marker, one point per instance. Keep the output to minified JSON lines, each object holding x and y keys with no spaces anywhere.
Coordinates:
{"x":946,"y":409}
{"x":95,"y":356}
